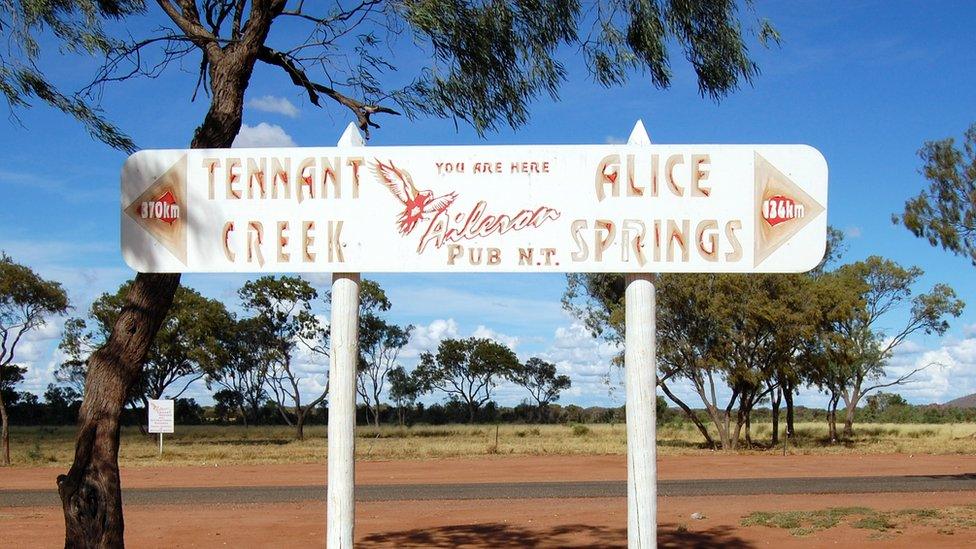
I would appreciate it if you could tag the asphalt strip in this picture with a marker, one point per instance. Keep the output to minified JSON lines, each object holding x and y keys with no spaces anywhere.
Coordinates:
{"x":518,"y":490}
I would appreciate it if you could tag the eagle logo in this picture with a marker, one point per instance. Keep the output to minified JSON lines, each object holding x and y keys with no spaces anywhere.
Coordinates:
{"x":417,"y":205}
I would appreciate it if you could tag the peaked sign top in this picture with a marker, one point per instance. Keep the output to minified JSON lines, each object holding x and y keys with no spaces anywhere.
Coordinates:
{"x":636,"y":207}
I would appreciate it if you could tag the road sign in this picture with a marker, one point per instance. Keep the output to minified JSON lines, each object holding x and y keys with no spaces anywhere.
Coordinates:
{"x":586,"y":208}
{"x":161,"y":416}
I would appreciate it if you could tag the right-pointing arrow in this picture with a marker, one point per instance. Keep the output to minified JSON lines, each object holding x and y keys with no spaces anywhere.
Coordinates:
{"x":782,"y":209}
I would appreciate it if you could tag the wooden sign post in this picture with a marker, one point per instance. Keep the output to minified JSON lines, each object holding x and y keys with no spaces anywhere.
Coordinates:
{"x":343,"y":359}
{"x":640,"y":376}
{"x":635,"y":208}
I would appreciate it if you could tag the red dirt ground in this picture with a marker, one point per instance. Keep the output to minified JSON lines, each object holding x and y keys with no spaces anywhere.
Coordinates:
{"x":494,"y":523}
{"x":505,"y":523}
{"x":518,"y":469}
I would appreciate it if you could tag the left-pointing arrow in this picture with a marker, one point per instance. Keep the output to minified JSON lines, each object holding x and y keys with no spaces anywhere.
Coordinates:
{"x":161,"y":209}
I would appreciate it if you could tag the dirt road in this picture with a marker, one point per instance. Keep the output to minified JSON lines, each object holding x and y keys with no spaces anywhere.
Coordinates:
{"x":553,"y":520}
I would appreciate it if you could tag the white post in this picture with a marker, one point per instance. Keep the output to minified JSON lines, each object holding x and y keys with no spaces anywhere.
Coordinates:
{"x":641,"y":386}
{"x":341,"y":509}
{"x":341,"y":501}
{"x":160,"y":445}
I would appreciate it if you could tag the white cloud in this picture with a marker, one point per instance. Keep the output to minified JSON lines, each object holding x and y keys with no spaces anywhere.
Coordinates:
{"x":487,"y":333}
{"x":262,"y":135}
{"x":272,"y":104}
{"x":853,"y":232}
{"x":949,"y":371}
{"x":427,"y":338}
{"x":588,"y":362}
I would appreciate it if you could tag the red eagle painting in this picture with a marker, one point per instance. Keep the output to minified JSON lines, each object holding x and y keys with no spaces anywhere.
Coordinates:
{"x":417,"y":205}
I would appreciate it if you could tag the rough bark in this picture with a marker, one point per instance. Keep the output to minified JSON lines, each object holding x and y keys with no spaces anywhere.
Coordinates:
{"x":91,"y":493}
{"x":849,"y":421}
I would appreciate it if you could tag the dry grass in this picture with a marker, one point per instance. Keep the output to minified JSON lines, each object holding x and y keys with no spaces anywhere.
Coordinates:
{"x":198,"y":445}
{"x":947,"y":521}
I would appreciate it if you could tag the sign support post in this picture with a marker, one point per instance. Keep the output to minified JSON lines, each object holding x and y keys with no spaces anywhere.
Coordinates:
{"x":633,"y":208}
{"x":641,"y":385}
{"x":160,"y":445}
{"x":344,"y":354}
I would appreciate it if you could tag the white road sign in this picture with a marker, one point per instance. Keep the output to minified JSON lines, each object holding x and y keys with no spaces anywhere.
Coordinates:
{"x":587,"y":208}
{"x":161,"y":416}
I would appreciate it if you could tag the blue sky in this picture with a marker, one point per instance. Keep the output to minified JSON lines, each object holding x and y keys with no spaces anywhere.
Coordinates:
{"x":866,"y":83}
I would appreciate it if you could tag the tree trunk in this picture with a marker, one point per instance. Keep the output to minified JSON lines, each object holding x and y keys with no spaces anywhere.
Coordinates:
{"x":774,"y":401}
{"x":849,"y":419}
{"x":300,"y":422}
{"x":5,"y":431}
{"x":748,"y":426}
{"x":690,"y":413}
{"x":832,"y":419}
{"x":471,"y":412}
{"x":91,"y":493}
{"x":788,"y":396}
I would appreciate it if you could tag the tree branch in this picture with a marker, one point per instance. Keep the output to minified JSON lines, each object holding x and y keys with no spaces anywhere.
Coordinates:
{"x":362,"y":111}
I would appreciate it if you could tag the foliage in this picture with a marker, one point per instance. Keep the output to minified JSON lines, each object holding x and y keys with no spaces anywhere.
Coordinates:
{"x":242,"y":366}
{"x":10,"y":376}
{"x":945,"y":213}
{"x":765,"y":335}
{"x":187,"y":344}
{"x":78,"y":27}
{"x":61,"y":404}
{"x":283,"y":306}
{"x":859,"y":348}
{"x":466,"y":370}
{"x":26,"y":303}
{"x":540,"y":379}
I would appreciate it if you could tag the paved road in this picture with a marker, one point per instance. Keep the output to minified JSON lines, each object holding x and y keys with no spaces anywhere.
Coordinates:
{"x":512,"y":490}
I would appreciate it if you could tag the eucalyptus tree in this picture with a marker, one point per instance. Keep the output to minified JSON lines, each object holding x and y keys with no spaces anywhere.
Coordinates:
{"x":945,"y":212}
{"x":467,"y":370}
{"x":862,"y":347}
{"x":483,"y":63}
{"x":404,"y":390}
{"x":737,"y":339}
{"x":27,"y":302}
{"x":244,"y":360}
{"x":685,"y":327}
{"x":380,"y":343}
{"x":543,"y":383}
{"x":282,"y":306}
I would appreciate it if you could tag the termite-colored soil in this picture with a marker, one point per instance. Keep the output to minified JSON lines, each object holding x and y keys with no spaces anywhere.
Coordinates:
{"x":518,"y":469}
{"x":596,"y":522}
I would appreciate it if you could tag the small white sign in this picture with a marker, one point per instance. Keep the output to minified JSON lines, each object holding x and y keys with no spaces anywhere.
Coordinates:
{"x":161,"y":414}
{"x":579,"y":208}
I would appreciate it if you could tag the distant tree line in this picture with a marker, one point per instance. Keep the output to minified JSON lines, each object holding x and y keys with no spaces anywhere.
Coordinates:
{"x":252,"y":362}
